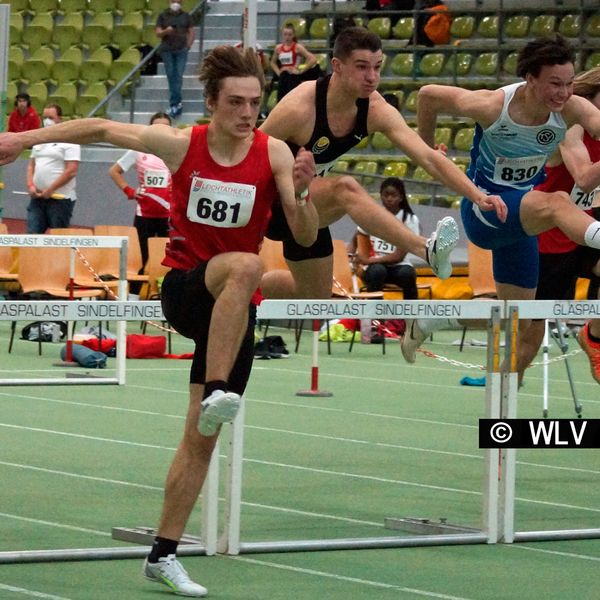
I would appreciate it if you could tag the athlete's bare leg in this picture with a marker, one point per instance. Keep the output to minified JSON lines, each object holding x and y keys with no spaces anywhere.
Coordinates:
{"x":335,"y":197}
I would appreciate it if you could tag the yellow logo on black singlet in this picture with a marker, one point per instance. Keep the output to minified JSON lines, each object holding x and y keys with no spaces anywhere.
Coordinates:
{"x":320,"y":145}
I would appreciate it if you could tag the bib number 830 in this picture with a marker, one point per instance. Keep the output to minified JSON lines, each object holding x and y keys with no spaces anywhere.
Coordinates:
{"x":519,"y":174}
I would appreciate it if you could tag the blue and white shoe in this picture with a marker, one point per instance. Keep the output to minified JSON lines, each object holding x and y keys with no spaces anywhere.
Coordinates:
{"x":440,"y":245}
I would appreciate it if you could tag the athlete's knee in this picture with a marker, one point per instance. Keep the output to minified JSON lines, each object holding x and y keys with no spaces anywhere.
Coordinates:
{"x":555,"y":203}
{"x":345,"y":189}
{"x":247,"y":268}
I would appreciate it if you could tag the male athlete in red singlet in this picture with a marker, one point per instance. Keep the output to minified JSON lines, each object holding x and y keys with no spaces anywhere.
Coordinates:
{"x":575,"y":170}
{"x":225,"y":178}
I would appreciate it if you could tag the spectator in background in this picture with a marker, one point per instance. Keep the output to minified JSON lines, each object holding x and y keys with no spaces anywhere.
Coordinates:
{"x":383,"y":262}
{"x":174,"y":28}
{"x":286,"y":60}
{"x":51,"y":179}
{"x":432,"y":27}
{"x":288,"y":55}
{"x":152,"y":195}
{"x":24,"y":117}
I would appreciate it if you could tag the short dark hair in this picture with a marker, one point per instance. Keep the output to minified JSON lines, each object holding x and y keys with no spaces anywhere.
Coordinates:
{"x":546,"y":51}
{"x":160,"y":115}
{"x":25,"y":97}
{"x":355,"y":38}
{"x":227,"y":61}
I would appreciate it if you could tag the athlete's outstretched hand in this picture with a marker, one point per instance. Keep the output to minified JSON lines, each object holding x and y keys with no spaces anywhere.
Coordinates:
{"x":494,"y":203}
{"x":10,"y":147}
{"x":304,"y":170}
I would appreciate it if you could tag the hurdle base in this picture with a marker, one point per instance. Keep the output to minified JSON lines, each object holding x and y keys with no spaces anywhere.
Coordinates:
{"x":145,"y":536}
{"x":426,"y":526}
{"x":315,"y":393}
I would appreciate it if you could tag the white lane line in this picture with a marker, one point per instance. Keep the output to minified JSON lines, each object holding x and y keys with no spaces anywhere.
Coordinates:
{"x":555,"y":552}
{"x":345,"y":578}
{"x":303,"y":468}
{"x":54,"y":524}
{"x":30,"y":593}
{"x":300,"y":433}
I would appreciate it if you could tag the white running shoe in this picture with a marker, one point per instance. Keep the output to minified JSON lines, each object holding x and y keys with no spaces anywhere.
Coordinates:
{"x":413,"y":338}
{"x":440,"y":245}
{"x":220,"y":407}
{"x":170,"y":572}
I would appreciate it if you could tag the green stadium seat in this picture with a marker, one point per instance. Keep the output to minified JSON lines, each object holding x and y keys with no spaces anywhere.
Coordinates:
{"x":125,"y":7}
{"x":154,"y":8}
{"x":121,"y":67}
{"x":271,"y":100}
{"x":363,"y":144}
{"x":95,"y":7}
{"x":592,"y":26}
{"x":38,"y":66}
{"x":65,"y":96}
{"x":68,"y":32}
{"x":16,"y":59}
{"x":462,"y":27}
{"x":411,"y":102}
{"x":98,"y":31}
{"x":461,"y":162}
{"x":402,"y":64}
{"x":570,"y":26}
{"x":382,"y":26}
{"x":341,"y":167}
{"x":68,"y":7}
{"x":15,"y":32}
{"x":44,"y":6}
{"x":12,"y":89}
{"x":97,"y":66}
{"x":592,"y":61}
{"x":443,"y":135}
{"x":395,"y":168}
{"x":299,"y":25}
{"x":463,"y":140}
{"x":38,"y":32}
{"x":129,"y":31}
{"x":20,"y":7}
{"x":486,"y":64}
{"x":39,"y":95}
{"x":431,"y":65}
{"x":68,"y":67}
{"x":320,"y":28}
{"x":459,"y":64}
{"x":362,"y":169}
{"x":420,"y":174}
{"x":90,"y":98}
{"x":404,"y":28}
{"x":516,"y":26}
{"x":488,"y":27}
{"x":380,"y":142}
{"x":510,"y":63}
{"x":398,"y":94}
{"x":322,"y":61}
{"x":542,"y":25}
{"x":149,"y":36}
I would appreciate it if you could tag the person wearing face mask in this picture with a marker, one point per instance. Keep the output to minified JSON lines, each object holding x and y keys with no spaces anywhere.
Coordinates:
{"x":174,"y":28}
{"x":51,"y":179}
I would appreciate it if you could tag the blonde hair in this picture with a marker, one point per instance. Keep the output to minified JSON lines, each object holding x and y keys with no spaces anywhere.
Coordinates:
{"x":587,"y":84}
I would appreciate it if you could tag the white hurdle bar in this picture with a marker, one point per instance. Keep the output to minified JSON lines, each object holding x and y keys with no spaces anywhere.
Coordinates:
{"x":499,"y":472}
{"x":73,"y":242}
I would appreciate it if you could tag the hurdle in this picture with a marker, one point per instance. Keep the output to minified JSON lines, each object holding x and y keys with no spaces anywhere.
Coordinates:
{"x":39,"y":310}
{"x":499,"y":471}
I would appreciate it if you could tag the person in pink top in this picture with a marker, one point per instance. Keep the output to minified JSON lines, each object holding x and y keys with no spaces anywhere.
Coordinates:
{"x":152,"y":194}
{"x":226,"y":176}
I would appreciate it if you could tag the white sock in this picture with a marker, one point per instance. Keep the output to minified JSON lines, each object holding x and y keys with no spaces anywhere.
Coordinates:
{"x":430,"y":325}
{"x":592,"y":235}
